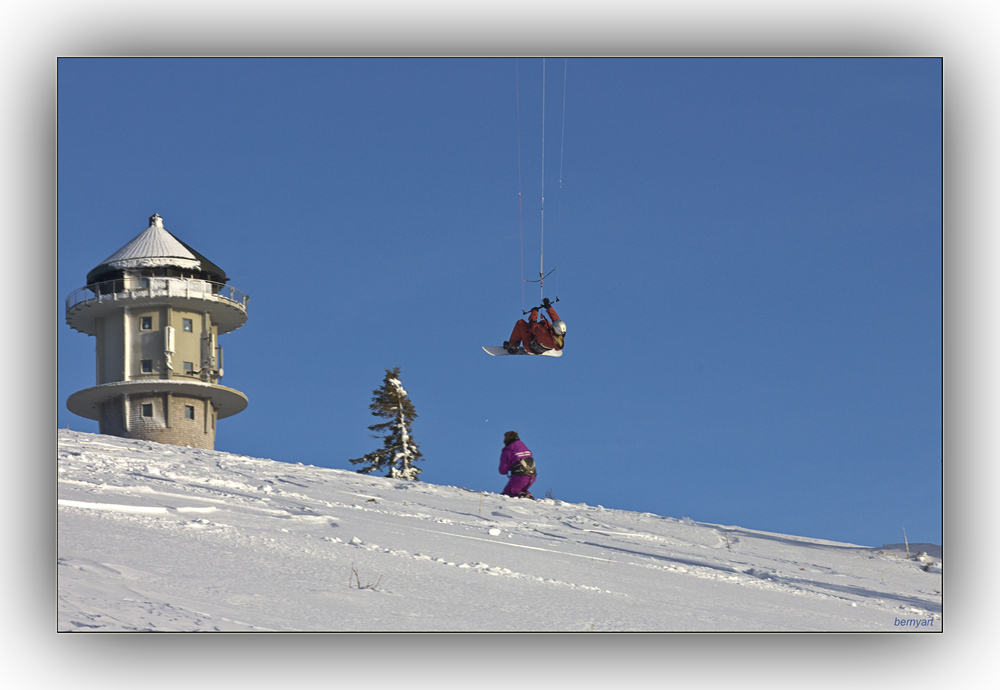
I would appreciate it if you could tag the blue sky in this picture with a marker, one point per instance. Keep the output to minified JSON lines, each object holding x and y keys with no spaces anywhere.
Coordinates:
{"x":747,"y":251}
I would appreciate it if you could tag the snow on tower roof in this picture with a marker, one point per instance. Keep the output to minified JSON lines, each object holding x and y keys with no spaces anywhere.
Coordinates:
{"x":152,"y":247}
{"x":155,"y":247}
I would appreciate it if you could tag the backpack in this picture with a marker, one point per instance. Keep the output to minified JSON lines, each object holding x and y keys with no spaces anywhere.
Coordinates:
{"x":525,"y":468}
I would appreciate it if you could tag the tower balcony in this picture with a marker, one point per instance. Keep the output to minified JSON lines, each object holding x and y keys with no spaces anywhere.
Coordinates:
{"x":87,"y":403}
{"x":226,"y":305}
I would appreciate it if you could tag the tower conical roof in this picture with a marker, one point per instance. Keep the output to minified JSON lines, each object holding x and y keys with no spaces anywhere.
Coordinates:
{"x":155,"y":247}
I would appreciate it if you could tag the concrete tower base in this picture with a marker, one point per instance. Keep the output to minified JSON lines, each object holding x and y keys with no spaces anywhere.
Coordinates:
{"x":165,"y":418}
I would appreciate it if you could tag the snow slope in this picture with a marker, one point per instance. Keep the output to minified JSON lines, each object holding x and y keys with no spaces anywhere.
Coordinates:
{"x":161,"y":538}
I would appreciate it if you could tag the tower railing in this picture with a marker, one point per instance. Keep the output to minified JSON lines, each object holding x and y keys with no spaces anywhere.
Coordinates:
{"x":137,"y":288}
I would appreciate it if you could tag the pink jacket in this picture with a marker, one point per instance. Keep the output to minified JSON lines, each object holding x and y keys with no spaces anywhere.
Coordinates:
{"x":512,"y":454}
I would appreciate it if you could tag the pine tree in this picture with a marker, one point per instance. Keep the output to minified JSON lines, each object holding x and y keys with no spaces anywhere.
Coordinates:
{"x":398,"y":451}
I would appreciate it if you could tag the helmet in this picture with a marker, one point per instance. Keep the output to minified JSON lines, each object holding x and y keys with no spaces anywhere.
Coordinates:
{"x":559,"y":327}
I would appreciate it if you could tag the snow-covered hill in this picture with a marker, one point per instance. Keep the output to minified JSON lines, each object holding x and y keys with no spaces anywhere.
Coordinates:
{"x":161,"y":538}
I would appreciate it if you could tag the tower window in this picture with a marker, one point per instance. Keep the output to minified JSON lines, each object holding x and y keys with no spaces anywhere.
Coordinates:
{"x":147,"y":366}
{"x":188,"y":367}
{"x":147,"y":409}
{"x":146,"y":323}
{"x":188,"y":326}
{"x":189,"y":411}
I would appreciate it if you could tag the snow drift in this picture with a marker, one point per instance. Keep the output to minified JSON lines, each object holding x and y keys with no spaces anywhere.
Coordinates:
{"x":162,"y":538}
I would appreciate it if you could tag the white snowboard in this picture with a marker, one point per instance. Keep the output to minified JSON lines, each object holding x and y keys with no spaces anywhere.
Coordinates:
{"x":498,"y":351}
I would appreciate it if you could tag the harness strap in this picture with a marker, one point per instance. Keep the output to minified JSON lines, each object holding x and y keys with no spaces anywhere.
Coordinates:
{"x":537,"y":347}
{"x":525,"y":468}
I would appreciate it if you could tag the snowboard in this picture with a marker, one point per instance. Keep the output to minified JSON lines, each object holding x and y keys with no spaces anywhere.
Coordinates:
{"x":498,"y":351}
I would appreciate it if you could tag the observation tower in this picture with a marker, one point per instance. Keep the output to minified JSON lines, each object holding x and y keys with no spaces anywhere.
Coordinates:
{"x":157,"y":308}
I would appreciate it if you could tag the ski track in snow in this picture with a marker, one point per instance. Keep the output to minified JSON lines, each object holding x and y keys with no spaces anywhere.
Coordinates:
{"x":606,"y":553}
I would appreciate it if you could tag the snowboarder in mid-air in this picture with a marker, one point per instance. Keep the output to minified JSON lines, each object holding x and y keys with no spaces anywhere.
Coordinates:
{"x":516,"y":460}
{"x":538,"y":337}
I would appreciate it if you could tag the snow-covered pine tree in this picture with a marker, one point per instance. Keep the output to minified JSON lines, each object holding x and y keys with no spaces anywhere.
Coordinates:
{"x":399,"y":451}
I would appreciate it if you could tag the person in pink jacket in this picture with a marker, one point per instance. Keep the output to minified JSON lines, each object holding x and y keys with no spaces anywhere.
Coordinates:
{"x":517,"y":460}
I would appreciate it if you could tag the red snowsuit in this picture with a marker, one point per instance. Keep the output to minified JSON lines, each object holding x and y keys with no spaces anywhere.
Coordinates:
{"x":539,"y":331}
